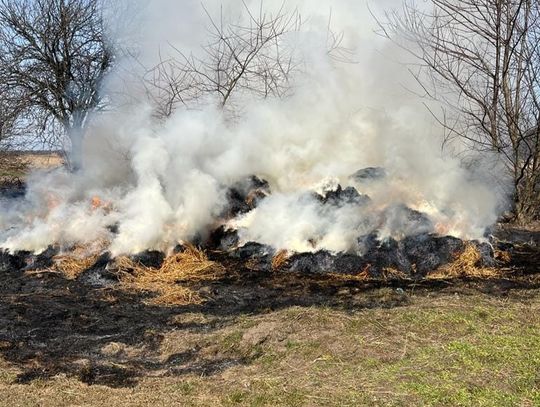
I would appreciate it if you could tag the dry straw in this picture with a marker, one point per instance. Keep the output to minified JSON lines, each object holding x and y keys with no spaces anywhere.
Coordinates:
{"x":280,"y":259}
{"x":466,"y":264}
{"x":79,"y":259}
{"x":190,"y":265}
{"x":72,"y":266}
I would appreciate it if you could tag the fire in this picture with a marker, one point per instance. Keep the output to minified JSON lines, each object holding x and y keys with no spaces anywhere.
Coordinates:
{"x":97,"y":203}
{"x":52,"y":201}
{"x":442,"y":229}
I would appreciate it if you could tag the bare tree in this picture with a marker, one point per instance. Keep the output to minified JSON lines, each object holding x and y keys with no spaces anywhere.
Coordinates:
{"x":53,"y":58}
{"x":237,"y":58}
{"x":481,"y":60}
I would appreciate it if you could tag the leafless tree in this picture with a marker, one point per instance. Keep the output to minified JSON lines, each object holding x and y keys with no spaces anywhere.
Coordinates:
{"x":53,"y":58}
{"x":253,"y":58}
{"x":237,"y":58}
{"x":481,"y":60}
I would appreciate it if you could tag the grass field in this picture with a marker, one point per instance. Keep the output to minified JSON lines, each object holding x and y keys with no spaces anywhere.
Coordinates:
{"x":462,"y":345}
{"x":16,"y":166}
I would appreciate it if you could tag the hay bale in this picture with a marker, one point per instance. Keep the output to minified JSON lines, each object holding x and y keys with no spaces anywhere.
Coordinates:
{"x":191,"y":265}
{"x":72,"y":266}
{"x":467,"y":264}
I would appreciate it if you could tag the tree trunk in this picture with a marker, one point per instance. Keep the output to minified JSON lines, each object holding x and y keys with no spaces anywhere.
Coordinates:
{"x":527,"y":201}
{"x":76,"y":135}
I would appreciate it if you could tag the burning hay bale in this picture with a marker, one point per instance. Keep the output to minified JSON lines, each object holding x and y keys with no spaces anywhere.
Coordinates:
{"x":323,"y":262}
{"x":39,"y":261}
{"x":223,"y":239}
{"x":469,"y":263}
{"x":72,"y":266}
{"x":400,"y":221}
{"x":245,"y":195}
{"x":255,"y":256}
{"x":149,"y":258}
{"x":428,"y":252}
{"x":412,"y":257}
{"x":347,"y":196}
{"x":189,"y":265}
{"x":12,"y":261}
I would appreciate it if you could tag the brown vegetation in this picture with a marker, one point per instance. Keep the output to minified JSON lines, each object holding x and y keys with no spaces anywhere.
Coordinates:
{"x":190,"y":264}
{"x":466,"y":264}
{"x":16,"y":165}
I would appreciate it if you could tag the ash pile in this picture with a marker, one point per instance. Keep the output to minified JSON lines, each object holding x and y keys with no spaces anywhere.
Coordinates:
{"x":400,"y":241}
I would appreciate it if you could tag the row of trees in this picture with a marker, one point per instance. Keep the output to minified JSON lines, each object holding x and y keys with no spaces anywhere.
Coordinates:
{"x":480,"y":59}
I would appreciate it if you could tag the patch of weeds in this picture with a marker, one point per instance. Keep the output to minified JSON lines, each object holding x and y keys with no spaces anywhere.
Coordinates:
{"x":269,"y":359}
{"x":435,"y":394}
{"x":7,"y":376}
{"x":294,"y":398}
{"x":292,"y":344}
{"x":186,"y":388}
{"x":236,"y":397}
{"x":231,"y":341}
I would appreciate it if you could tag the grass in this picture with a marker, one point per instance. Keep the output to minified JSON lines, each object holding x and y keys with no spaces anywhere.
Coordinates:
{"x":441,"y":350}
{"x":16,"y":166}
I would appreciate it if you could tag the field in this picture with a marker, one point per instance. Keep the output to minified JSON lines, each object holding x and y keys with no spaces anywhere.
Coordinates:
{"x":269,"y":340}
{"x":15,"y":166}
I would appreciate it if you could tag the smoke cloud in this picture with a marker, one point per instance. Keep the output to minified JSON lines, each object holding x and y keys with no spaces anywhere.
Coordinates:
{"x":149,"y":184}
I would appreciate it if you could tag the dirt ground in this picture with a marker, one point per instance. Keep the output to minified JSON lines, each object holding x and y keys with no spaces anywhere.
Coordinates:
{"x":268,"y":339}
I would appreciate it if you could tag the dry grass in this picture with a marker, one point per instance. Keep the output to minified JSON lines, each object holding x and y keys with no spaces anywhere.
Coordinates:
{"x":189,"y":265}
{"x":15,"y":166}
{"x":438,"y":350}
{"x":390,"y":273}
{"x":503,"y":256}
{"x":42,"y":160}
{"x":12,"y":168}
{"x":79,"y":259}
{"x":72,"y":266}
{"x":466,"y":264}
{"x":280,"y":259}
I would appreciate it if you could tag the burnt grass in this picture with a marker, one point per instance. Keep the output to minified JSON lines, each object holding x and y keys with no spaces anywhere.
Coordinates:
{"x":52,"y":326}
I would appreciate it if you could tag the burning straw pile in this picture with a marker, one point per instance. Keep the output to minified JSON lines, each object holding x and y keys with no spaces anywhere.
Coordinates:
{"x":79,"y":259}
{"x":190,"y":265}
{"x":399,"y":243}
{"x":467,"y":264}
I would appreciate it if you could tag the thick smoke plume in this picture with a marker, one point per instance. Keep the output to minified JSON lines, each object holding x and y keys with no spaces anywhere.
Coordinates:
{"x":150,"y":183}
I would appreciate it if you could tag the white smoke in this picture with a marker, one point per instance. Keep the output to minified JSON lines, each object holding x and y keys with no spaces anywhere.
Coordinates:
{"x":165,"y":182}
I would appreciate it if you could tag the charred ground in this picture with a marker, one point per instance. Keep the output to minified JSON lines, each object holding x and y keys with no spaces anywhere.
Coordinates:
{"x":52,"y":325}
